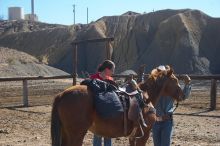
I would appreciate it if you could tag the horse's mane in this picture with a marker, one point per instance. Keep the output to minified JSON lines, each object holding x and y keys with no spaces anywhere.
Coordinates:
{"x":156,"y":73}
{"x":153,"y":76}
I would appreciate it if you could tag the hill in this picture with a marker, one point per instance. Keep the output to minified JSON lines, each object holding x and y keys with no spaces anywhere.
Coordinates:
{"x":16,"y":63}
{"x":188,"y":40}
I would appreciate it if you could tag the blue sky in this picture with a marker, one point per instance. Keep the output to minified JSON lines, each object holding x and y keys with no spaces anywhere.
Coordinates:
{"x":61,"y":11}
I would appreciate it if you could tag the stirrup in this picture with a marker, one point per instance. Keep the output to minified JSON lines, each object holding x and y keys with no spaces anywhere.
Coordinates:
{"x":144,"y":124}
{"x":142,"y":120}
{"x":133,"y":133}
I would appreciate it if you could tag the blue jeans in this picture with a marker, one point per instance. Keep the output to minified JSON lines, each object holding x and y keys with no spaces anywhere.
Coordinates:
{"x":97,"y":141}
{"x":162,"y":133}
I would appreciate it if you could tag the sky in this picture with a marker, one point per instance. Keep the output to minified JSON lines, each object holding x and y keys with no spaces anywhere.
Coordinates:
{"x":61,"y":11}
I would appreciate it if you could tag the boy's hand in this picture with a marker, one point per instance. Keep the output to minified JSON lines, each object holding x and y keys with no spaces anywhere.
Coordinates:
{"x":186,"y":79}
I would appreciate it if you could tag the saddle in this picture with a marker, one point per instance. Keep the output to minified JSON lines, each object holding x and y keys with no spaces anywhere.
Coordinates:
{"x":111,"y":100}
{"x":106,"y":101}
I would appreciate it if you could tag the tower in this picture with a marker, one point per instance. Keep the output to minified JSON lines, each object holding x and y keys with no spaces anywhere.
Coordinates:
{"x":15,"y":13}
{"x":32,"y":16}
{"x":32,"y":7}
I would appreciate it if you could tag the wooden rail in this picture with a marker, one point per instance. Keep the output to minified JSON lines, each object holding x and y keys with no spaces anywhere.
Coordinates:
{"x":213,"y":78}
{"x":25,"y":83}
{"x":95,"y":40}
{"x":35,"y":78}
{"x":180,"y":76}
{"x":75,"y":43}
{"x":213,"y":90}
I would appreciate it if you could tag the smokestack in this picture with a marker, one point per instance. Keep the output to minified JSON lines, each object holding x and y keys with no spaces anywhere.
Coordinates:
{"x":32,"y":7}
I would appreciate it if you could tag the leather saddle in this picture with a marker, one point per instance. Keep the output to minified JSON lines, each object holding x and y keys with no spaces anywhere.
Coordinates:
{"x":110,"y":99}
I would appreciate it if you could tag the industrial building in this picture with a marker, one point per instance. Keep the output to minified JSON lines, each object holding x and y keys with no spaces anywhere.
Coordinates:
{"x":32,"y":17}
{"x":15,"y":13}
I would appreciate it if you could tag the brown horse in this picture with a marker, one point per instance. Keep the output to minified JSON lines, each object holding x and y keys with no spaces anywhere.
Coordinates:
{"x":159,"y":83}
{"x":73,"y":113}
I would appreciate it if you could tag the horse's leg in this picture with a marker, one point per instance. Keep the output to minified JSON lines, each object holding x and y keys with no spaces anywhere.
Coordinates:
{"x":74,"y":129}
{"x":140,"y":141}
{"x":73,"y":139}
{"x":151,"y":118}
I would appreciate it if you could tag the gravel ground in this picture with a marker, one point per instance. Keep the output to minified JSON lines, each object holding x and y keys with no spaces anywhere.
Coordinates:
{"x":31,"y":126}
{"x":195,"y":124}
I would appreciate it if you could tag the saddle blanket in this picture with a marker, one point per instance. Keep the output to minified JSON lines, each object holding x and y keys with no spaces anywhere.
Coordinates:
{"x":106,"y":102}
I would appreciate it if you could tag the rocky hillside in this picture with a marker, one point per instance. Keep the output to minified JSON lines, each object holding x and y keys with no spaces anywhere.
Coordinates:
{"x":16,"y":63}
{"x":188,"y":40}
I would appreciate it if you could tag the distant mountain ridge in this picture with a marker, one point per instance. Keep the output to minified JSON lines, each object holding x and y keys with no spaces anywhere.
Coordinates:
{"x":188,"y":40}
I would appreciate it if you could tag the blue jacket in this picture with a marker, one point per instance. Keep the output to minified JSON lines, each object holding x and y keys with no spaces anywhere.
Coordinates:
{"x":165,"y":105}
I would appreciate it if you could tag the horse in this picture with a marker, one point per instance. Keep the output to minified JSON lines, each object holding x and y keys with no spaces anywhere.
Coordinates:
{"x":73,"y":112}
{"x":159,"y":83}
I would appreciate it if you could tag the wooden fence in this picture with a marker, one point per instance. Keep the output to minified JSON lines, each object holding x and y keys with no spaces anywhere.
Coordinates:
{"x":213,"y":78}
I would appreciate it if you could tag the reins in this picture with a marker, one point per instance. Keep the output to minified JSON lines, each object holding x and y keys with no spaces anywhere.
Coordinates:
{"x":177,"y":104}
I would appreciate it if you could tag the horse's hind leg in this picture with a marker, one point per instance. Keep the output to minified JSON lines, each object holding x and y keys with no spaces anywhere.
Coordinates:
{"x":73,"y":139}
{"x":76,"y":115}
{"x":74,"y":131}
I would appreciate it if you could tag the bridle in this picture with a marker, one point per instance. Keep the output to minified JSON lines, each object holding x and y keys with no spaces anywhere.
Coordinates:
{"x":176,"y":106}
{"x":161,"y":86}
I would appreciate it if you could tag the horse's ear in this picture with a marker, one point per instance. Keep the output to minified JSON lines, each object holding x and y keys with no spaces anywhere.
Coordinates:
{"x":167,"y":67}
{"x":170,"y":72}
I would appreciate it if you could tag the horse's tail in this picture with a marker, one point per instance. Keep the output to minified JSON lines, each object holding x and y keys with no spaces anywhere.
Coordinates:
{"x":55,"y":123}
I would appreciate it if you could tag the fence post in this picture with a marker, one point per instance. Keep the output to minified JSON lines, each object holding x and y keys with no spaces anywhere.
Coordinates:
{"x":108,"y":49}
{"x":25,"y":93}
{"x":141,"y":70}
{"x":213,"y":94}
{"x":75,"y":62}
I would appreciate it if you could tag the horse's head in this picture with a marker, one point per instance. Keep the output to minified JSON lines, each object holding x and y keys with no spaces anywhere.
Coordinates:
{"x":162,"y":83}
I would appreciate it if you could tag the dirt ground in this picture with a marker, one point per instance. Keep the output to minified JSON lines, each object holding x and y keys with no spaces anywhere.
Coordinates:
{"x":194,"y":123}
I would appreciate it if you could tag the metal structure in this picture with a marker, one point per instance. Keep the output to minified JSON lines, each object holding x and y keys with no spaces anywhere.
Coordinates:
{"x":87,"y":16}
{"x":32,"y":7}
{"x":32,"y":16}
{"x":74,"y":14}
{"x":75,"y":43}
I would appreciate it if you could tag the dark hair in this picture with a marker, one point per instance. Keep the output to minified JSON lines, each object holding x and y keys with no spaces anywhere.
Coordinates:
{"x":106,"y":64}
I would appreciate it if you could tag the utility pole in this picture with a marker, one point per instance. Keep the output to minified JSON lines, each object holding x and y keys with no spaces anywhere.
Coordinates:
{"x":1,"y":15}
{"x":87,"y":15}
{"x":74,"y":13}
